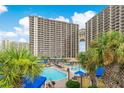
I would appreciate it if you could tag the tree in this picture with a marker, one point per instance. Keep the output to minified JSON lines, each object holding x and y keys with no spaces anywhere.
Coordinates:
{"x":17,"y":64}
{"x":106,"y":50}
{"x":110,"y":46}
{"x":110,"y":42}
{"x":72,"y":84}
{"x":82,"y":58}
{"x":88,"y":60}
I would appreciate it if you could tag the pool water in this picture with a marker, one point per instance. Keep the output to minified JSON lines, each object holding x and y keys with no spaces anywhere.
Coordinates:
{"x":53,"y":74}
{"x":77,"y":68}
{"x":67,"y":64}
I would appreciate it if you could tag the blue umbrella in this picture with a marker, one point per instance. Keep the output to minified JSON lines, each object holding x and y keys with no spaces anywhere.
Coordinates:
{"x":80,"y":73}
{"x":100,"y":71}
{"x":37,"y":82}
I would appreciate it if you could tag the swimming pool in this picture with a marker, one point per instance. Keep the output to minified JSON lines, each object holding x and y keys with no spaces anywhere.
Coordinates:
{"x":67,"y":64}
{"x":53,"y":74}
{"x":77,"y":68}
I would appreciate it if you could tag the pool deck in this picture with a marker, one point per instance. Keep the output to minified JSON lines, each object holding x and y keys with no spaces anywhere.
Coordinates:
{"x":61,"y":83}
{"x":85,"y":84}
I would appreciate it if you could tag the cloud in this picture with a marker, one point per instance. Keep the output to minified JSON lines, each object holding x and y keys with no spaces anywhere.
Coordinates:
{"x":0,"y":44}
{"x":61,"y":18}
{"x":18,"y":29}
{"x":0,"y":38}
{"x":82,"y":18}
{"x":77,"y":18}
{"x":22,"y":30}
{"x":22,"y":40}
{"x":3,"y":9}
{"x":19,"y":32}
{"x":7,"y":35}
{"x":10,"y":34}
{"x":24,"y":22}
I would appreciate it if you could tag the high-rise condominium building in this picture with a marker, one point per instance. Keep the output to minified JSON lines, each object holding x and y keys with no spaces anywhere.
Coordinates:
{"x":23,"y":45}
{"x":5,"y":44}
{"x":111,"y":18}
{"x":0,"y":44}
{"x":51,"y":38}
{"x":82,"y":39}
{"x":82,"y":34}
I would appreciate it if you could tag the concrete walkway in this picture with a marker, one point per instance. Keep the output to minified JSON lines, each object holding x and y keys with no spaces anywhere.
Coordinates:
{"x":61,"y":83}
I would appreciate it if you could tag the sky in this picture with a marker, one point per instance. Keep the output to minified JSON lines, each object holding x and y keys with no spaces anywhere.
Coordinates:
{"x":14,"y":18}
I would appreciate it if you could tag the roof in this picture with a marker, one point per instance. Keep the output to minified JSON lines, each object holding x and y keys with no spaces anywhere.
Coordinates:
{"x":37,"y":82}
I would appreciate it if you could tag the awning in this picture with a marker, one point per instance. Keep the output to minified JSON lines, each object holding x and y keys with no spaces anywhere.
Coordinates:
{"x":80,"y":73}
{"x":38,"y":82}
{"x":100,"y":71}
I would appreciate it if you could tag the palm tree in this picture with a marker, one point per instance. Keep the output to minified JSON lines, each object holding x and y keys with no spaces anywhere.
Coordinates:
{"x":110,"y":42}
{"x":107,"y":50}
{"x":110,"y":49}
{"x":17,"y":64}
{"x":81,"y":57}
{"x":89,"y":61}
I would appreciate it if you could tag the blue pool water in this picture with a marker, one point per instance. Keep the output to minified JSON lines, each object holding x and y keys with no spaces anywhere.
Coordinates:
{"x":53,"y":74}
{"x":77,"y":68}
{"x":67,"y":64}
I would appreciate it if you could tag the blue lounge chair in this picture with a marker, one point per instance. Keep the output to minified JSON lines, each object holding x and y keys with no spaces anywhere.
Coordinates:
{"x":38,"y":82}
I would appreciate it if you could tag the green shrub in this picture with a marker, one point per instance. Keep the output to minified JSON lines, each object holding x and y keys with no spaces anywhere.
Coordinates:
{"x":72,"y":84}
{"x":93,"y":86}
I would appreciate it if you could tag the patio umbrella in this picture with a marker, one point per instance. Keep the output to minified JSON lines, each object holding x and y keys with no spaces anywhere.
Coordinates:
{"x":80,"y":73}
{"x":100,"y":71}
